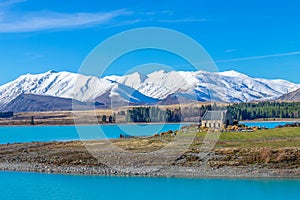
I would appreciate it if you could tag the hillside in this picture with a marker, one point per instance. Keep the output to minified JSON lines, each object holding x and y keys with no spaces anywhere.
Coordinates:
{"x":30,"y":102}
{"x":292,"y":96}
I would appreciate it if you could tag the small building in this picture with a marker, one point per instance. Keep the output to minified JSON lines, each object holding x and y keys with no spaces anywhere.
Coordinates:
{"x":216,"y":119}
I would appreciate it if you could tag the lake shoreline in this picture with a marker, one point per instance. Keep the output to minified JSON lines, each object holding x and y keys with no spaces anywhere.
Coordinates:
{"x":131,"y":123}
{"x":78,"y":158}
{"x":152,"y":172}
{"x":89,"y":118}
{"x":266,"y":121}
{"x":93,"y":124}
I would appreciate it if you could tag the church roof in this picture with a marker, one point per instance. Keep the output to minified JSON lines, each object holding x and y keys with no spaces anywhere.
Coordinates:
{"x":214,"y":115}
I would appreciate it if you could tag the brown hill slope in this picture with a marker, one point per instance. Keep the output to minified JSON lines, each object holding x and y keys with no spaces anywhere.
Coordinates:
{"x":292,"y":96}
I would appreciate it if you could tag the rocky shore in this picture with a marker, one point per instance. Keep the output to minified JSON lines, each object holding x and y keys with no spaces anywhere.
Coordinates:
{"x":76,"y":158}
{"x":171,"y":171}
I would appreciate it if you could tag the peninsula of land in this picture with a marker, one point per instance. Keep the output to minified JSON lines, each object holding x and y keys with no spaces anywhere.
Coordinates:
{"x":261,"y":154}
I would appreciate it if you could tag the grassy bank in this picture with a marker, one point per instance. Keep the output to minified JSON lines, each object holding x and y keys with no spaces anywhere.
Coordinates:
{"x":278,"y":137}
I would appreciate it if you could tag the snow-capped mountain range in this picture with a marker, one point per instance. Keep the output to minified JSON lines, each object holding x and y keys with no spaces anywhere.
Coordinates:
{"x":229,"y":86}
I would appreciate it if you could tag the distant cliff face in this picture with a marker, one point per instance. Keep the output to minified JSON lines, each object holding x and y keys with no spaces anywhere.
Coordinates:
{"x":292,"y":96}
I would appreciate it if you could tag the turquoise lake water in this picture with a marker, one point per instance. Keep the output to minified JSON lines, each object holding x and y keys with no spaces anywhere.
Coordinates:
{"x":63,"y":133}
{"x":15,"y":134}
{"x":266,"y":124}
{"x":22,"y":185}
{"x":17,"y":185}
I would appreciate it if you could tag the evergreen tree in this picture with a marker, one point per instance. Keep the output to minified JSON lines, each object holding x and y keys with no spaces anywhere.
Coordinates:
{"x":104,"y":118}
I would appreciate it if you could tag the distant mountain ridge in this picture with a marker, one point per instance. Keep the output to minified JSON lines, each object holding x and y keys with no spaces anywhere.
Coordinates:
{"x":31,"y":102}
{"x":292,"y":96}
{"x":159,"y":87}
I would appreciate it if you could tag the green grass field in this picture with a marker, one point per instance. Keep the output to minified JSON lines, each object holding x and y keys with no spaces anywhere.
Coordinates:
{"x":272,"y":138}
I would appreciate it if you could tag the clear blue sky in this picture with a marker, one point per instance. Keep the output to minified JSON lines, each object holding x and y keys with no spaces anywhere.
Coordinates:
{"x":256,"y":37}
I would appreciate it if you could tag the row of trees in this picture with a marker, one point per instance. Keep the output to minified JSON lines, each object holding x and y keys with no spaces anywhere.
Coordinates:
{"x":249,"y":111}
{"x":6,"y":114}
{"x":239,"y":111}
{"x":153,"y":114}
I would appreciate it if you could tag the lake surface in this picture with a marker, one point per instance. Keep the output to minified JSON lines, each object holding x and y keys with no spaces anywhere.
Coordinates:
{"x":13,"y":134}
{"x":17,"y":185}
{"x":22,"y":185}
{"x":266,"y":124}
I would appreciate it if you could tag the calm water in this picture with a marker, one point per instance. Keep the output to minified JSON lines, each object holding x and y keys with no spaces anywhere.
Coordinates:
{"x":20,"y":185}
{"x":16,"y":185}
{"x":62,"y":133}
{"x":266,"y":124}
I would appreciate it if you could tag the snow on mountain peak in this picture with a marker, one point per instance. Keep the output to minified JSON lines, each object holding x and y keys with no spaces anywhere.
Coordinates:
{"x":229,"y":86}
{"x":58,"y":84}
{"x":232,"y":73}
